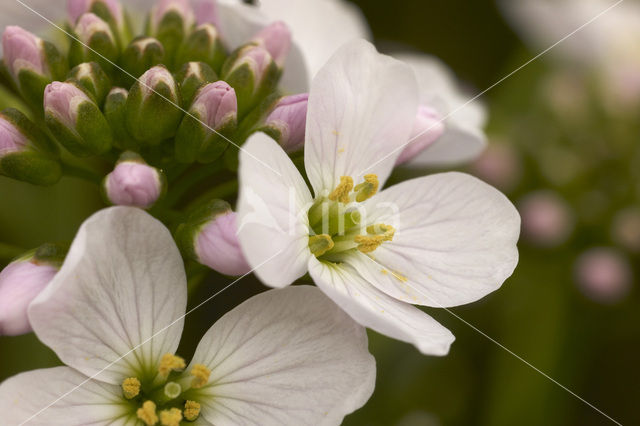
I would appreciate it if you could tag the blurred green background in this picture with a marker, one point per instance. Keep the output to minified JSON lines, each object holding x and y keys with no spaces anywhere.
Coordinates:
{"x":588,"y":344}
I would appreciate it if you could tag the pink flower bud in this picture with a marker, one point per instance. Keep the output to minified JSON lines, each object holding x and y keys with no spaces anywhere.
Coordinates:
{"x":63,"y":100}
{"x":11,"y":140}
{"x":77,"y":8}
{"x":276,"y":39}
{"x":217,"y":246}
{"x":289,"y":117}
{"x":499,"y":165}
{"x":155,"y":76}
{"x":206,"y":12}
{"x":23,"y":50}
{"x":90,"y":24}
{"x":427,"y":128}
{"x":216,"y":103}
{"x":20,"y":282}
{"x":133,"y":183}
{"x":604,"y":275}
{"x":625,"y":229}
{"x":546,"y":218}
{"x":181,"y":7}
{"x":257,"y":58}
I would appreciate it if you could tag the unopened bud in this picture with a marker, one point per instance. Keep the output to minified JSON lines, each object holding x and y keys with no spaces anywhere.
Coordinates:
{"x":427,"y":128}
{"x":604,"y":275}
{"x":134,"y":183}
{"x":26,"y":154}
{"x":31,"y":62}
{"x":206,"y":12}
{"x":286,"y":123}
{"x":203,"y":45}
{"x":75,"y":120}
{"x":96,"y":42}
{"x":214,"y":116}
{"x":93,"y":79}
{"x":140,"y":55}
{"x":153,"y":107}
{"x":191,"y":77}
{"x":253,"y":73}
{"x":108,"y":10}
{"x":170,"y":22}
{"x":546,"y":219}
{"x":21,"y":281}
{"x":210,"y":237}
{"x":115,"y":113}
{"x":276,"y":39}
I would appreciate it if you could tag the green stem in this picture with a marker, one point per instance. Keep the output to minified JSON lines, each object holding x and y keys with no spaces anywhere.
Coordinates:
{"x":186,"y":182}
{"x":221,"y":191}
{"x":9,"y":252}
{"x":80,"y":172}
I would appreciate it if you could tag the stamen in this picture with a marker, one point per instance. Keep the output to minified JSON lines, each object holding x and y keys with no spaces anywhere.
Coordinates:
{"x":171,"y":417}
{"x":131,"y":387}
{"x":387,"y":231}
{"x":191,"y":410}
{"x":147,"y":413}
{"x":341,"y":193}
{"x":367,"y":189}
{"x":320,"y":244}
{"x":200,"y":375}
{"x":368,"y":243}
{"x":170,"y":362}
{"x":172,"y":390}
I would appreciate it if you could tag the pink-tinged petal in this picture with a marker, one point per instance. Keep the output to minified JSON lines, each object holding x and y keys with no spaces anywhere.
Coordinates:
{"x":427,"y":128}
{"x":455,"y":240}
{"x":295,"y":352}
{"x":22,"y":50}
{"x":272,"y":212}
{"x":218,"y":247}
{"x":376,"y":310}
{"x":362,"y":107}
{"x":132,"y":183}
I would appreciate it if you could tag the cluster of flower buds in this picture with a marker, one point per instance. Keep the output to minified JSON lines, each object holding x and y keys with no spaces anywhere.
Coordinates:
{"x":21,"y":281}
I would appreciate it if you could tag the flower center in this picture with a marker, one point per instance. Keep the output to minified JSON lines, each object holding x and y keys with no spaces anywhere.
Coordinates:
{"x":335,"y":221}
{"x":168,"y":399}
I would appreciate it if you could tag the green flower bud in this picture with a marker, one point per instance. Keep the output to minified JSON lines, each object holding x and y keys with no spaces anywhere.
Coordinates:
{"x":75,"y":120}
{"x":110,"y":11}
{"x":115,"y":113}
{"x":213,"y":117}
{"x":153,"y":111}
{"x":141,"y":54}
{"x":170,"y":21}
{"x":203,"y":45}
{"x":93,"y":79}
{"x":253,"y":73}
{"x":26,"y":153}
{"x":191,"y":77}
{"x":96,"y":43}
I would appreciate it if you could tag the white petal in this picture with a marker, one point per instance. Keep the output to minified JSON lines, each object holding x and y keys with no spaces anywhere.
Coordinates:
{"x":272,"y":212}
{"x":92,"y":402}
{"x":374,"y":309}
{"x":122,"y":282}
{"x":455,"y":240}
{"x":285,"y":357}
{"x":362,"y":107}
{"x":464,"y":137}
{"x":308,"y":23}
{"x":240,"y":22}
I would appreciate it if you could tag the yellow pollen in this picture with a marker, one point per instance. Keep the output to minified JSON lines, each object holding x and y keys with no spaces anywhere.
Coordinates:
{"x":386,"y":231}
{"x":367,"y":189}
{"x":399,"y":277}
{"x":368,"y":243}
{"x":320,"y":244}
{"x":147,"y":413}
{"x":171,"y":417}
{"x":200,"y":375}
{"x":341,"y":193}
{"x":191,"y":410}
{"x":170,"y":362}
{"x":131,"y":387}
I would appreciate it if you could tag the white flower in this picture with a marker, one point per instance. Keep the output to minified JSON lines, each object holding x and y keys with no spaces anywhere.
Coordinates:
{"x":441,"y":240}
{"x":282,"y":357}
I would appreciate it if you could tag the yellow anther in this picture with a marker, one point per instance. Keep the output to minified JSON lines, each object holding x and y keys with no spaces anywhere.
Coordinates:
{"x":171,"y":417}
{"x":368,"y":243}
{"x":170,"y":362}
{"x":386,"y":231}
{"x":191,"y":410}
{"x":320,"y":244}
{"x":131,"y":387}
{"x":367,"y":189}
{"x":200,"y":375}
{"x":147,"y":413}
{"x":341,"y":193}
